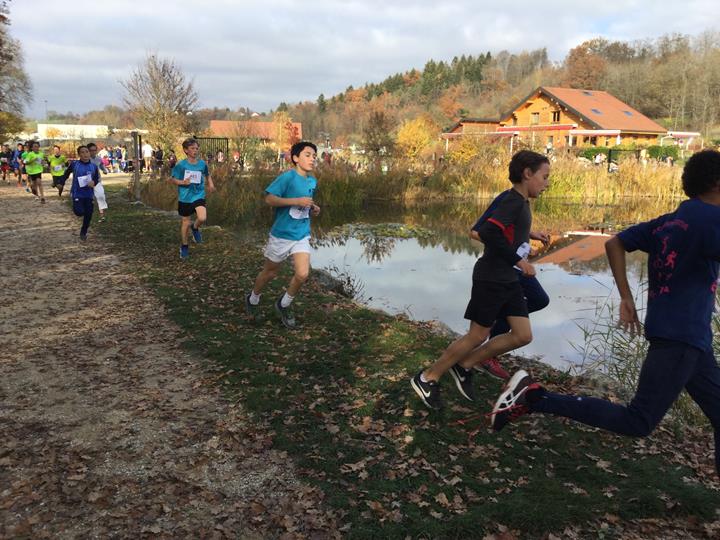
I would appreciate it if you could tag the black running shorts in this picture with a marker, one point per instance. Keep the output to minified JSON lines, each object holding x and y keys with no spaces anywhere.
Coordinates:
{"x":34,"y":177}
{"x":490,"y":301}
{"x":187,"y":209}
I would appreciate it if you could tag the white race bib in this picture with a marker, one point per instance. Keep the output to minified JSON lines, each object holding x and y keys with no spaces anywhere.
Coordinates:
{"x":194,"y":176}
{"x":57,"y":168}
{"x":3,"y":160}
{"x":83,"y":181}
{"x":523,"y":251}
{"x":39,"y":161}
{"x":299,"y":212}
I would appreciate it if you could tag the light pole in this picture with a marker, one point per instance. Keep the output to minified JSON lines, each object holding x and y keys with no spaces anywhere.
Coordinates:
{"x":46,"y":114}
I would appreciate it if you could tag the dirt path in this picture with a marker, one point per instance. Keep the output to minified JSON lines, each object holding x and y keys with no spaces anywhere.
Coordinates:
{"x":108,"y":428}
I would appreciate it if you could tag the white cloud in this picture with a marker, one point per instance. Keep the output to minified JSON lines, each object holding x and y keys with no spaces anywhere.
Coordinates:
{"x":257,"y":54}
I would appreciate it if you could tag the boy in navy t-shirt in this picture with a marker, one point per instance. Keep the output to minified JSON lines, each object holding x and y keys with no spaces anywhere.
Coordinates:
{"x":291,"y":195}
{"x":683,"y":250}
{"x":86,"y":176}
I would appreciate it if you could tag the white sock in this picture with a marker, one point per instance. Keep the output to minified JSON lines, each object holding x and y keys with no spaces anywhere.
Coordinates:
{"x":286,"y":300}
{"x":254,"y":298}
{"x":422,"y":378}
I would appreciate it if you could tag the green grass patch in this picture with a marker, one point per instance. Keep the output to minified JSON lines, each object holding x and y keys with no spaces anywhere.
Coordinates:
{"x":336,"y":395}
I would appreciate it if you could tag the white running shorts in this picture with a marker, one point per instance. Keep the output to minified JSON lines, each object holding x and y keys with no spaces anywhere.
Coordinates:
{"x":279,"y":249}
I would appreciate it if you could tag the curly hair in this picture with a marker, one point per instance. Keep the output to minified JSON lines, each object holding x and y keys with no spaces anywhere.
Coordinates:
{"x":525,"y":159}
{"x":701,"y":173}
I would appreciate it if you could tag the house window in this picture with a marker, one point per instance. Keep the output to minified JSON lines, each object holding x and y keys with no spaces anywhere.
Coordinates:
{"x":592,"y":140}
{"x":597,"y":111}
{"x":535,"y":118}
{"x":556,"y":117}
{"x":514,"y":120}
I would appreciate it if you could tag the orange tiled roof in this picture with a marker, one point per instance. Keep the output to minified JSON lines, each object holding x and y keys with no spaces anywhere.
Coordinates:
{"x":602,"y":110}
{"x":261,"y":130}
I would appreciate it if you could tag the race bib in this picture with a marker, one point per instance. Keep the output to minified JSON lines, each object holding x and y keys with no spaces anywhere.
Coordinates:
{"x":194,"y":176}
{"x":83,"y":181}
{"x":299,"y":212}
{"x":3,"y":160}
{"x":523,"y":251}
{"x":39,"y":161}
{"x":57,"y":168}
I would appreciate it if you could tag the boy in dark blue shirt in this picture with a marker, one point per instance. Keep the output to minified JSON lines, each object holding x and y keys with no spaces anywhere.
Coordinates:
{"x":86,"y":176}
{"x":683,"y":250}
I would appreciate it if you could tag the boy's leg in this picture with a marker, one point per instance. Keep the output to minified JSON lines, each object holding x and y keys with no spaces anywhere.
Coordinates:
{"x":536,"y":299}
{"x":39,"y":187}
{"x":457,"y":351}
{"x":185,"y":229}
{"x":704,"y":388}
{"x":301,"y":264}
{"x":87,"y":209}
{"x":664,"y":373}
{"x":520,"y":334}
{"x":200,"y":216}
{"x":266,"y":275}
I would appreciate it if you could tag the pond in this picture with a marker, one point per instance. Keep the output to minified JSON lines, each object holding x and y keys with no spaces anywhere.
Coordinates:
{"x":429,"y":277}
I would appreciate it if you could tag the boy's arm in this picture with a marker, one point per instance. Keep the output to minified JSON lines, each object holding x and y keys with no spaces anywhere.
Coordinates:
{"x":492,"y":232}
{"x":615,"y":251}
{"x":275,"y":201}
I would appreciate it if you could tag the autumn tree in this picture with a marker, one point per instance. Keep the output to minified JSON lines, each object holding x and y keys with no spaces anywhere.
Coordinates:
{"x":415,"y":136}
{"x":161,"y":98}
{"x":377,"y":139}
{"x":584,"y":68}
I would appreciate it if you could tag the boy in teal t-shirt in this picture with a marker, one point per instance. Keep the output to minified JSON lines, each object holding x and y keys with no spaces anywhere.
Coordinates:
{"x":191,"y":175}
{"x":291,"y":195}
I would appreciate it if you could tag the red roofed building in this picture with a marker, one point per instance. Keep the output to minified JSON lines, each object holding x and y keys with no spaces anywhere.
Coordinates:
{"x":570,"y":117}
{"x":266,"y":131}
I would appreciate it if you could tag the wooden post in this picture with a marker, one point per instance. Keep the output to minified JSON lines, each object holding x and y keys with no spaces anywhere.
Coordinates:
{"x":136,"y":164}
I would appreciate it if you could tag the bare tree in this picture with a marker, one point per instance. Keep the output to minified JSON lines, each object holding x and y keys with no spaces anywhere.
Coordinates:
{"x":161,"y":98}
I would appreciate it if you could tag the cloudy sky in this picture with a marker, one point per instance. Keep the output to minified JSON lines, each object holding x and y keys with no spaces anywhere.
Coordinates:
{"x":258,"y":53}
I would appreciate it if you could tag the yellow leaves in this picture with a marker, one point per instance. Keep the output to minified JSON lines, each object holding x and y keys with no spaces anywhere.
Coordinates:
{"x":416,"y":135}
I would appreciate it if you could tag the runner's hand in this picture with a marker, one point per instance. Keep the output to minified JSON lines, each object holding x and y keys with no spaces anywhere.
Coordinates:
{"x":629,"y":318}
{"x":304,"y":201}
{"x":211,"y":188}
{"x":543,"y":237}
{"x":527,"y":268}
{"x":315,"y":210}
{"x":185,"y":182}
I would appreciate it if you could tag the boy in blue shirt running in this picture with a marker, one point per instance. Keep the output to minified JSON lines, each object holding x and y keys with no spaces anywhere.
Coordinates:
{"x":291,"y":195}
{"x":86,"y":176}
{"x":683,"y":250}
{"x":190,"y":176}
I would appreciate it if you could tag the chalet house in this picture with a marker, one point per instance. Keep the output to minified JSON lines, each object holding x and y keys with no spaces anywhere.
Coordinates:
{"x":569,"y":117}
{"x":265,"y":131}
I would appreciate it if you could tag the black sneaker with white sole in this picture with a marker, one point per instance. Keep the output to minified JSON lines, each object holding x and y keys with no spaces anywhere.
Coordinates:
{"x":429,"y":391}
{"x":512,"y":403}
{"x":463,"y":381}
{"x":286,"y":314}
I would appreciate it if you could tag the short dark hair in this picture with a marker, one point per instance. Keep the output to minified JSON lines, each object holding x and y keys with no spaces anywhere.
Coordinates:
{"x":81,"y":147}
{"x":298,"y":147}
{"x":525,"y":159}
{"x":90,"y":145}
{"x":33,"y":143}
{"x":56,"y":146}
{"x":187,"y":143}
{"x":701,"y":173}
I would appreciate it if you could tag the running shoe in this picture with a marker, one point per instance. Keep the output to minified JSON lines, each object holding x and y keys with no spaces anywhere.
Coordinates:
{"x":83,"y":236}
{"x":101,"y":219}
{"x":429,"y":391}
{"x":494,"y":368}
{"x":251,"y":309}
{"x":196,"y":235}
{"x":512,"y":403}
{"x":286,"y":315}
{"x":184,"y":252}
{"x":42,"y":200}
{"x":463,"y":381}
